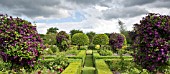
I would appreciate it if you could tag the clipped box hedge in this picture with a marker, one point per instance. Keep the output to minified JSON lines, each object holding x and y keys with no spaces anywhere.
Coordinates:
{"x":49,"y":56}
{"x":102,"y":67}
{"x":113,"y":57}
{"x":73,"y":68}
{"x":74,"y":60}
{"x":80,"y":55}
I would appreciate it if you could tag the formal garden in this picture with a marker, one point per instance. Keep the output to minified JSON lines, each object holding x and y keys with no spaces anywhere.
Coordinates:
{"x":145,"y":50}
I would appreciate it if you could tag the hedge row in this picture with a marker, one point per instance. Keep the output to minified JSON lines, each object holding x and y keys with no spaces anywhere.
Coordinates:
{"x":102,"y":67}
{"x":76,"y":63}
{"x":49,"y":56}
{"x":113,"y":57}
{"x":73,"y":68}
{"x":80,"y":55}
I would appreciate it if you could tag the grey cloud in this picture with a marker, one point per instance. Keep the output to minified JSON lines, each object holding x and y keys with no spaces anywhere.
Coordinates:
{"x":123,"y":12}
{"x":34,"y":8}
{"x":160,"y":4}
{"x":136,"y":2}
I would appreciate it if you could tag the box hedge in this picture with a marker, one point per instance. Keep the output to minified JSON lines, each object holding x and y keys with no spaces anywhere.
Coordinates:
{"x":73,"y":68}
{"x":102,"y":67}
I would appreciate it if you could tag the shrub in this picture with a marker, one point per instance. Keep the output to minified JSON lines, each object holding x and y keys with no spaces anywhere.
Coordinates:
{"x":80,"y":39}
{"x":101,"y":39}
{"x":50,"y":39}
{"x":72,"y":52}
{"x":102,"y":68}
{"x":105,"y":52}
{"x":54,"y":48}
{"x":73,"y":68}
{"x":97,"y":46}
{"x":59,"y":63}
{"x":151,"y":43}
{"x":20,"y":43}
{"x":63,"y":40}
{"x":117,"y":41}
{"x":91,"y":47}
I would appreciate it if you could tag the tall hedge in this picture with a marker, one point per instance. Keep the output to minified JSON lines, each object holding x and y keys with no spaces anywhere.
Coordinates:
{"x":20,"y":43}
{"x":152,"y":42}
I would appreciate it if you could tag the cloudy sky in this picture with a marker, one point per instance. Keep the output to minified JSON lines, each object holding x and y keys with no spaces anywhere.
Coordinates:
{"x":100,"y":16}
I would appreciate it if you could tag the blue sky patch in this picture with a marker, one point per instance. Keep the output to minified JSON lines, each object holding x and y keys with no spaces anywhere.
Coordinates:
{"x":76,"y":17}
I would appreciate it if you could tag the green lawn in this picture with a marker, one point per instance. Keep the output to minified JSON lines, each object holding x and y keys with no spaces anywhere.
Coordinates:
{"x":89,"y":61}
{"x":88,"y":66}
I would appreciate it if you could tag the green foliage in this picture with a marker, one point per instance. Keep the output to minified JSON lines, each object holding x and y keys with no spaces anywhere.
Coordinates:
{"x":80,"y":39}
{"x":83,"y":48}
{"x":114,"y":57}
{"x":91,"y":47}
{"x":54,"y":48}
{"x":42,"y":36}
{"x":88,"y":61}
{"x":105,"y":52}
{"x":59,"y":63}
{"x":72,"y":32}
{"x":102,"y":68}
{"x":50,"y":39}
{"x":48,"y":51}
{"x":91,"y":36}
{"x":88,"y":70}
{"x":4,"y":66}
{"x":73,"y":68}
{"x":72,"y":52}
{"x":100,"y":39}
{"x":52,"y":30}
{"x":80,"y":55}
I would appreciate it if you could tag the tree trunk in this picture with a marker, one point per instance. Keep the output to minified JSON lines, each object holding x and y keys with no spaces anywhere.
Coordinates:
{"x":78,"y":47}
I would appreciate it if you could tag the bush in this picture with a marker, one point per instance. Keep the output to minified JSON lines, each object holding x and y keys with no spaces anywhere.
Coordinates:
{"x":72,"y":52}
{"x":59,"y":63}
{"x":105,"y":52}
{"x":80,"y":39}
{"x":50,"y":39}
{"x":20,"y":43}
{"x":151,"y":44}
{"x":101,"y":39}
{"x":63,"y":40}
{"x":117,"y":41}
{"x":83,"y":48}
{"x":97,"y":47}
{"x":54,"y":48}
{"x":91,"y":47}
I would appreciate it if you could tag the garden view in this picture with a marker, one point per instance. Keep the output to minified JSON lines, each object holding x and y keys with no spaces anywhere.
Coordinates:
{"x":145,"y":50}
